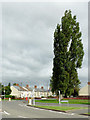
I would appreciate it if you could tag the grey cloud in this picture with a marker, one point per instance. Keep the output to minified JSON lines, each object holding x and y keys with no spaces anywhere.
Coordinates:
{"x":28,"y":39}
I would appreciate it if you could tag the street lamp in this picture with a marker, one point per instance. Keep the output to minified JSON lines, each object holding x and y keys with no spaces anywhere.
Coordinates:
{"x":59,"y":97}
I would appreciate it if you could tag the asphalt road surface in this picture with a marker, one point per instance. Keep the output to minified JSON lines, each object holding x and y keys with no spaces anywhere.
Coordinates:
{"x":18,"y":109}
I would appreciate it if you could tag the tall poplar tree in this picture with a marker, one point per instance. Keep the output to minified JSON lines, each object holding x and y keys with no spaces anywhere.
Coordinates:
{"x":68,"y":55}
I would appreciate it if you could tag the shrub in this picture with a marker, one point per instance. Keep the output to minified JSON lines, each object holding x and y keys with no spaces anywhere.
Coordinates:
{"x":13,"y":97}
{"x":10,"y":96}
{"x":42,"y":96}
{"x":50,"y":96}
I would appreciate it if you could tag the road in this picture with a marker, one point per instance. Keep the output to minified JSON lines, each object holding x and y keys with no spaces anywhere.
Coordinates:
{"x":18,"y":109}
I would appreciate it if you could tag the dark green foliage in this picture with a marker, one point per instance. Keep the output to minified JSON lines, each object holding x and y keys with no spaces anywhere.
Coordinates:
{"x":0,"y":89}
{"x":14,"y":84}
{"x":10,"y":96}
{"x":68,"y":51}
{"x":9,"y":84}
{"x":6,"y":88}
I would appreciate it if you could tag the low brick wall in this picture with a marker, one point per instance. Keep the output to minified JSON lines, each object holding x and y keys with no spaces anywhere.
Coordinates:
{"x":80,"y":97}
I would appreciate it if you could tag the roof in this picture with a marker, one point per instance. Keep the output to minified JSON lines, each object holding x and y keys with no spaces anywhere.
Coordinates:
{"x":30,"y":89}
{"x":40,"y":90}
{"x":20,"y":88}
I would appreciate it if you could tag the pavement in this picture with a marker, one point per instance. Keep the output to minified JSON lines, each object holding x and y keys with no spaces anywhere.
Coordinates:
{"x":81,"y":111}
{"x":19,"y":109}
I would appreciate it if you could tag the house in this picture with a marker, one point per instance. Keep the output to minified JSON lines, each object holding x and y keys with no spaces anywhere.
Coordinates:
{"x":24,"y":92}
{"x":19,"y":91}
{"x":15,"y":91}
{"x":85,"y":91}
{"x":40,"y":92}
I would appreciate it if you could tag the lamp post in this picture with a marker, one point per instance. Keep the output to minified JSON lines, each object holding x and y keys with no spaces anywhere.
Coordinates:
{"x":59,"y":97}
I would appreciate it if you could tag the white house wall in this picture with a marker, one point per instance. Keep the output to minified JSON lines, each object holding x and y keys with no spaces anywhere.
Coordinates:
{"x":15,"y":92}
{"x":84,"y":91}
{"x":24,"y":94}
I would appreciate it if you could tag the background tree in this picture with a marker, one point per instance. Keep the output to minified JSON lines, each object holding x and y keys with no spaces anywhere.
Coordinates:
{"x":68,"y":56}
{"x":14,"y":84}
{"x":0,"y":89}
{"x":9,"y":84}
{"x":6,"y":88}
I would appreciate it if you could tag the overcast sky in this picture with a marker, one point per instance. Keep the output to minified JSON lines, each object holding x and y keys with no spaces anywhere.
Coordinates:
{"x":27,"y":40}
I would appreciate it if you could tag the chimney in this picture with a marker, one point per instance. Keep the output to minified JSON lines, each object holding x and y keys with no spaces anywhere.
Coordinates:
{"x":27,"y":85}
{"x":88,"y":83}
{"x":42,"y":87}
{"x":35,"y":86}
{"x":17,"y":84}
{"x":49,"y":88}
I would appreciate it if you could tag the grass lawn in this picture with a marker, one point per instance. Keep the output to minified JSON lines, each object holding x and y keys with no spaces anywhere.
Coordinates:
{"x":48,"y":101}
{"x":63,"y":108}
{"x":75,"y":101}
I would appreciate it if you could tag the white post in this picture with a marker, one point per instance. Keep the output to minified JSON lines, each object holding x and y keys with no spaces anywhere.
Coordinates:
{"x":33,"y":97}
{"x":9,"y":99}
{"x":59,"y":96}
{"x":28,"y":95}
{"x":4,"y":93}
{"x":29,"y":102}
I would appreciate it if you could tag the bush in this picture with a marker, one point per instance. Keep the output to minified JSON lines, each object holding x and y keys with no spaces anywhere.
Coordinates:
{"x":13,"y":97}
{"x":10,"y":96}
{"x":50,"y":96}
{"x":42,"y":96}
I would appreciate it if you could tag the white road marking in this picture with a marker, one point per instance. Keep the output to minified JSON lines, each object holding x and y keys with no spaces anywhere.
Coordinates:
{"x":6,"y":113}
{"x":27,"y":106}
{"x":22,"y":117}
{"x":53,"y":111}
{"x":72,"y":113}
{"x":37,"y":108}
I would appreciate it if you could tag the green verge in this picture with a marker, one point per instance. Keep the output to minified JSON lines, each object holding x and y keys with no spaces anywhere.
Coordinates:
{"x":79,"y":101}
{"x":62,"y":108}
